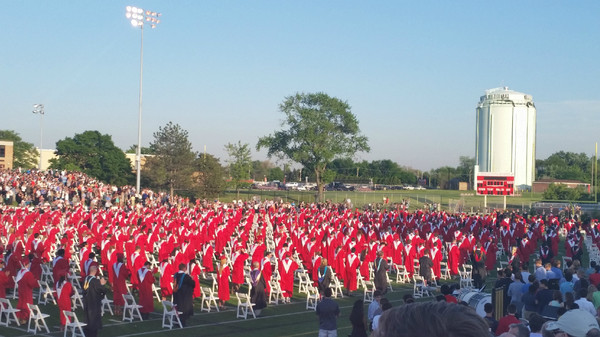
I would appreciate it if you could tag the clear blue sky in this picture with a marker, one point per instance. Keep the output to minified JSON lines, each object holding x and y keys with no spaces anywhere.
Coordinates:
{"x":412,"y":71}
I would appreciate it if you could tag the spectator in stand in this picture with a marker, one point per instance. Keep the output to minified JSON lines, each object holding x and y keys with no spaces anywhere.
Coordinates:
{"x":570,"y":302}
{"x":556,"y":275}
{"x":489,"y":317}
{"x":535,"y":325}
{"x":447,"y":292}
{"x":515,"y":288}
{"x":583,"y":302}
{"x":385,"y":305}
{"x":510,"y":318}
{"x":567,"y":285}
{"x":544,"y":295}
{"x":519,"y":330}
{"x":374,"y":308}
{"x":591,"y":269}
{"x":540,"y":271}
{"x":595,"y":297}
{"x":557,"y":300}
{"x":582,"y":281}
{"x":529,"y":304}
{"x":595,"y":277}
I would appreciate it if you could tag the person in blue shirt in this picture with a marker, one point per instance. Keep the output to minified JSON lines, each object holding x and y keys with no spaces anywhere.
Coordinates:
{"x":567,"y":286}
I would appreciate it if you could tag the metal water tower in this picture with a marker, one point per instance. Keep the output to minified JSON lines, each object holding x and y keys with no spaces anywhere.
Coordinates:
{"x":505,"y":135}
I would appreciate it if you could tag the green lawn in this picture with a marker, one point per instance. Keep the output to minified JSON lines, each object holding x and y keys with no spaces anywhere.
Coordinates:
{"x":456,"y":201}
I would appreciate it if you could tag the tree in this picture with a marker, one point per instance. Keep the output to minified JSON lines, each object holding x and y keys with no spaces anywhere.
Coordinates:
{"x":276,"y":173}
{"x":240,"y":163}
{"x":145,"y":150}
{"x":24,"y":154}
{"x":208,"y":177}
{"x":94,"y":154}
{"x":172,"y":165}
{"x":319,"y":129}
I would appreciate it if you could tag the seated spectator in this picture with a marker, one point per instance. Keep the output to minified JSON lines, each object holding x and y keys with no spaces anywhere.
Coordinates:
{"x":575,"y":323}
{"x":535,"y":325}
{"x":447,"y":292}
{"x":584,"y":303}
{"x":529,"y":304}
{"x":506,"y":321}
{"x":519,"y":330}
{"x":385,"y":305}
{"x":595,"y":277}
{"x":544,"y":295}
{"x":557,"y":299}
{"x":431,"y":319}
{"x":567,"y":285}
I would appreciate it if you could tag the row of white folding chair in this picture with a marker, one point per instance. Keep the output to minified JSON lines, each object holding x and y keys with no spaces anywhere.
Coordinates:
{"x":8,"y":313}
{"x":209,"y":300}
{"x":312,"y":298}
{"x":276,"y":293}
{"x":37,"y":318}
{"x":44,"y":293}
{"x":336,"y":286}
{"x":170,"y":315}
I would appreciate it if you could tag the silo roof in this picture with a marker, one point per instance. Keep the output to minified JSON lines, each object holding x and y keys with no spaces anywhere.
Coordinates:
{"x":503,"y":94}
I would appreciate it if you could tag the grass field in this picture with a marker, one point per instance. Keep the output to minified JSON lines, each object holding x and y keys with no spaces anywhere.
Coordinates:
{"x":455,"y":201}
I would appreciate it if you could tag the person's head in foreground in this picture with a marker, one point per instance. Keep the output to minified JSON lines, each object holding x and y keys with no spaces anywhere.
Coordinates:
{"x":431,"y":319}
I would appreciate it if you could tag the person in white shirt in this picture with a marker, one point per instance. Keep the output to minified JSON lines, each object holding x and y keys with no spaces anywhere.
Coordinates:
{"x":584,"y":304}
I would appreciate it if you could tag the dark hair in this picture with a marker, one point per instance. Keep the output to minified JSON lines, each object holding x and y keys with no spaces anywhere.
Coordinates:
{"x":535,"y":322}
{"x":568,"y":276}
{"x":358,"y":311}
{"x":512,"y":308}
{"x":445,"y":289}
{"x":440,"y":298}
{"x":488,"y":308}
{"x":523,"y":331}
{"x":328,"y":292}
{"x":432,"y":319}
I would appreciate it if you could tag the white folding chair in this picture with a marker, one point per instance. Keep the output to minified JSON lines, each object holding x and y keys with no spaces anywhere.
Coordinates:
{"x":466,"y":280}
{"x":369,"y":291}
{"x":107,"y":306}
{"x":209,"y":299}
{"x":336,"y":287}
{"x":312,"y":298}
{"x":6,"y":310}
{"x":47,"y":275}
{"x":156,"y":291}
{"x":131,"y":310}
{"x":76,"y":299}
{"x":15,"y":289}
{"x":402,"y":275}
{"x":276,"y":293}
{"x":244,"y":306}
{"x":303,"y":282}
{"x":170,"y":315}
{"x":444,"y":271}
{"x":39,"y":319}
{"x":45,"y":292}
{"x":73,"y":325}
{"x":419,"y":288}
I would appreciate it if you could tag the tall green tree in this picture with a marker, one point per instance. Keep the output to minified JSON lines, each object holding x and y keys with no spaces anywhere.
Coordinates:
{"x":209,"y":176}
{"x":145,"y":150}
{"x":94,"y":154}
{"x":317,"y":129}
{"x":172,"y":165}
{"x":25,"y":154}
{"x":239,"y":164}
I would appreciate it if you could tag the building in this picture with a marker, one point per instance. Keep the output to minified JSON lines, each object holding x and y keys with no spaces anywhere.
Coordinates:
{"x":6,"y":154}
{"x":505,"y":135}
{"x":540,"y":186}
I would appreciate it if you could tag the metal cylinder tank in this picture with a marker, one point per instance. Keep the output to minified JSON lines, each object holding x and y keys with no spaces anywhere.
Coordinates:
{"x":505,"y":135}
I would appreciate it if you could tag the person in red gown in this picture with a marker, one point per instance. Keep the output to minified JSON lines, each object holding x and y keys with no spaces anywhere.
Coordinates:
{"x":223,"y":273}
{"x":64,"y":291}
{"x":352,"y":263}
{"x":26,"y":282}
{"x":195,"y":272}
{"x":453,"y":258}
{"x":286,"y":272}
{"x":60,"y":265}
{"x":121,"y":273}
{"x":166,"y":278}
{"x":237,"y":274}
{"x":4,"y":277}
{"x":145,"y":289}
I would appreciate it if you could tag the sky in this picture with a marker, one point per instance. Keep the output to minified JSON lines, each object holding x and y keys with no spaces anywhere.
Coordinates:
{"x":412,"y":71}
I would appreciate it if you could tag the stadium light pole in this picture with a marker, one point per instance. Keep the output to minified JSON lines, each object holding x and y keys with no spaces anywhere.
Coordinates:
{"x":38,"y":109}
{"x":138,"y":18}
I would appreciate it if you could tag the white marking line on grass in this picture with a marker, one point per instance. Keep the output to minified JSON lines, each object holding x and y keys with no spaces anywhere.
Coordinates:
{"x":240,"y":321}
